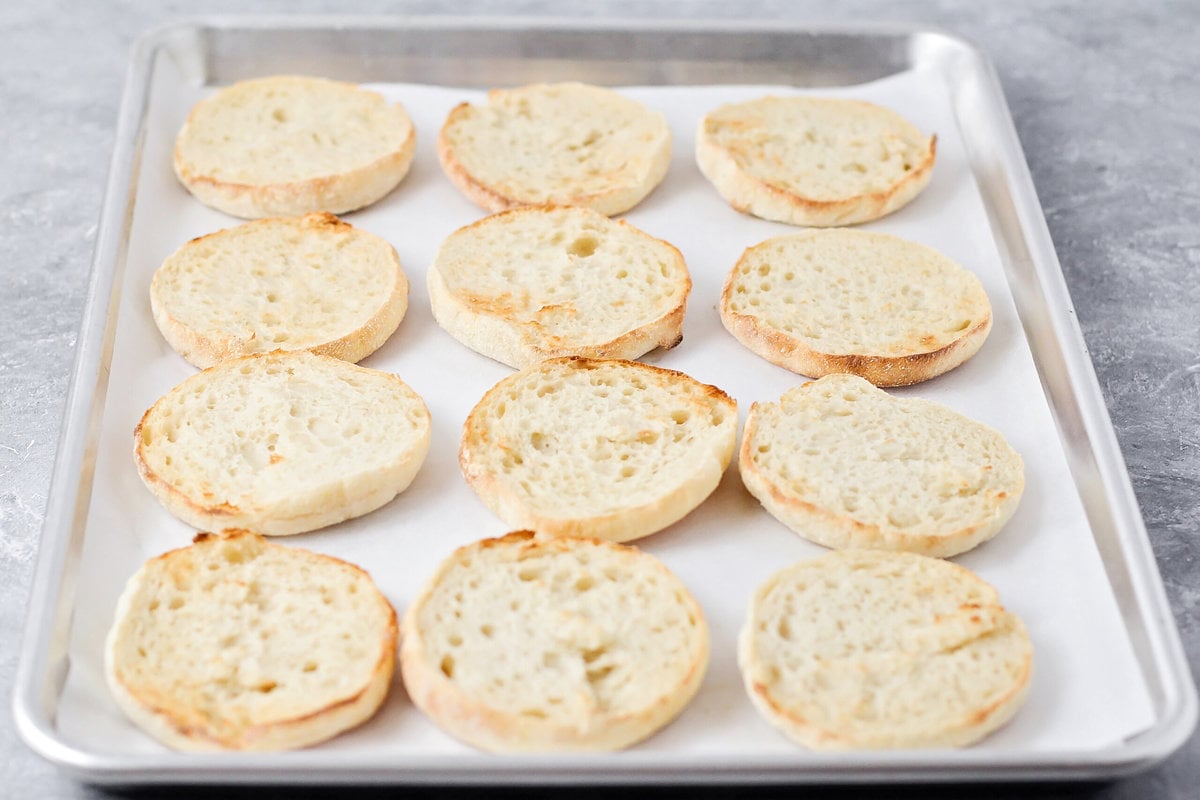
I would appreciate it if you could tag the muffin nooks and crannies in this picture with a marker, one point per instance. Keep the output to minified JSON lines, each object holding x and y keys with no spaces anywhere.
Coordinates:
{"x":301,"y":283}
{"x":870,"y":649}
{"x":290,"y":145}
{"x":608,"y":449}
{"x":560,"y":144}
{"x":534,"y":283}
{"x":846,"y":465}
{"x":813,"y":161}
{"x":235,"y":643}
{"x":843,"y":301}
{"x":281,"y":443}
{"x":530,"y":643}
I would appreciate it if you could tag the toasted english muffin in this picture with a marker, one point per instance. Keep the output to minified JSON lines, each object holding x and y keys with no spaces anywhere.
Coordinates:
{"x":873,"y":649}
{"x":540,"y":282}
{"x":846,"y":465}
{"x":299,"y":283}
{"x":531,"y":643}
{"x":281,"y":443}
{"x":288,"y":145}
{"x":234,"y":643}
{"x":813,"y":161}
{"x":843,"y":301}
{"x":608,"y":449}
{"x":560,"y":143}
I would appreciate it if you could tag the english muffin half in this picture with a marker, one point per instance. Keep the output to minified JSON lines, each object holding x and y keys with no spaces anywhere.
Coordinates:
{"x":235,"y":643}
{"x":288,"y":145}
{"x":530,"y":643}
{"x":560,"y":144}
{"x":814,"y":161}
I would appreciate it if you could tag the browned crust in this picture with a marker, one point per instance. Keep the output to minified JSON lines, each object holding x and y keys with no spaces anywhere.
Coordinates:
{"x":809,"y":734}
{"x":183,"y":505}
{"x":330,"y":193}
{"x":170,"y":496}
{"x":831,"y":529}
{"x":475,"y":190}
{"x":852,"y":210}
{"x":799,"y":208}
{"x":501,"y":498}
{"x":486,"y":196}
{"x":976,"y":724}
{"x":665,"y":331}
{"x":381,"y":672}
{"x":205,"y":351}
{"x":339,"y":193}
{"x":796,"y":355}
{"x":442,"y":700}
{"x":973,"y":726}
{"x":469,"y":434}
{"x":884,"y":371}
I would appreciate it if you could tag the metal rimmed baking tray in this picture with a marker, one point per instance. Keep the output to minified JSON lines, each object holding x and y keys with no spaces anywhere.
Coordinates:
{"x":479,"y":53}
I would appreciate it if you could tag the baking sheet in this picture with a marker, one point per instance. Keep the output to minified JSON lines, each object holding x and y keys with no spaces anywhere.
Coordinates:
{"x":1087,"y":693}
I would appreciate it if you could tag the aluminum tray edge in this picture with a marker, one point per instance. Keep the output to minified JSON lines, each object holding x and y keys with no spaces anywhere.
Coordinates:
{"x":47,"y":619}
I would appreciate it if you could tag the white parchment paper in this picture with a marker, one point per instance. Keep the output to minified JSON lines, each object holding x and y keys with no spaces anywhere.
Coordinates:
{"x":1087,"y":689}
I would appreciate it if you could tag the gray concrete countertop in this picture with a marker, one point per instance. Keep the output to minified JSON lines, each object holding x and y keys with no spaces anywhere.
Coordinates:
{"x":1107,"y":104}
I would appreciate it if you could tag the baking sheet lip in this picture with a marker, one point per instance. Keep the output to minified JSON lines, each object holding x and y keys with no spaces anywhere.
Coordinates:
{"x":275,"y":22}
{"x":306,"y":766}
{"x":35,"y":725}
{"x":1179,"y":717}
{"x":33,"y":720}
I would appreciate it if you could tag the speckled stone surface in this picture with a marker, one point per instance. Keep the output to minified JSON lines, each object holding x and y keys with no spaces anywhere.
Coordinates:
{"x":1106,"y":99}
